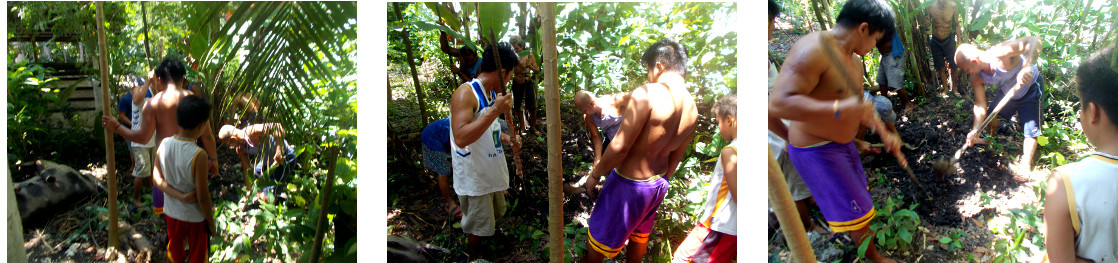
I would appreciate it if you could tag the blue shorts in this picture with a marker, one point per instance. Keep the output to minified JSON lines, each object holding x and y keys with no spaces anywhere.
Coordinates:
{"x":1027,"y":108}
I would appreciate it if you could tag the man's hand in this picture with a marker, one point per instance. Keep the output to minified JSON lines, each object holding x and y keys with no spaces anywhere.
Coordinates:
{"x":503,"y":103}
{"x":974,"y":137}
{"x":191,"y":197}
{"x":591,"y":186}
{"x":1025,"y":77}
{"x":213,"y":168}
{"x":865,"y":147}
{"x":212,"y":227}
{"x":893,"y":144}
{"x":513,"y":141}
{"x":109,"y":123}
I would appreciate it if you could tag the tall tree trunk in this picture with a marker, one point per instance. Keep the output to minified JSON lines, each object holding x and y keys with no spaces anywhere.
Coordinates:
{"x":111,"y":169}
{"x":320,"y":228}
{"x":554,"y":133}
{"x":414,"y":72}
{"x":521,"y":21}
{"x":781,"y":200}
{"x":147,"y":46}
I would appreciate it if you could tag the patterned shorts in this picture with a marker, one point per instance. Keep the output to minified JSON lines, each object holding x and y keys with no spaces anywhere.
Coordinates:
{"x":436,"y":161}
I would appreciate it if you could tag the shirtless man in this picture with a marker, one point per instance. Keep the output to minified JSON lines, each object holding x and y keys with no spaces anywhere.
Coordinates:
{"x":523,"y":88}
{"x":1010,"y":65}
{"x":820,"y":91}
{"x":658,"y":125}
{"x":160,"y":119}
{"x":944,"y":27}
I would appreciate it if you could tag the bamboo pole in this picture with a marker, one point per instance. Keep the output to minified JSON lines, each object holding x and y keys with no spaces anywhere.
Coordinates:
{"x":554,"y":133}
{"x":16,"y":252}
{"x":320,"y":229}
{"x":111,"y":169}
{"x":781,"y":200}
{"x":508,"y":117}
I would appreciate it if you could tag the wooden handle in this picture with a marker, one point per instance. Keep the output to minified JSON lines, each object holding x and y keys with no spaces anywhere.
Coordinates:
{"x":781,"y":200}
{"x":511,"y":121}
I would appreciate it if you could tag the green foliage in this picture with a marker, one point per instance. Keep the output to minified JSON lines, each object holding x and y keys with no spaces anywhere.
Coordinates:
{"x":895,"y":227}
{"x":953,"y":240}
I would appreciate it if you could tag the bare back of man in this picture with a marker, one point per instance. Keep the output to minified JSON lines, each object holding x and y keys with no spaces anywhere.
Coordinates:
{"x":943,"y":18}
{"x":811,"y":71}
{"x":665,"y":129}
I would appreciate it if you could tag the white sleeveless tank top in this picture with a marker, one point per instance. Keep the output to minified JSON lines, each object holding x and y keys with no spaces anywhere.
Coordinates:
{"x":137,"y":120}
{"x":1092,"y":188}
{"x":480,"y":168}
{"x":720,"y":210}
{"x":177,"y":161}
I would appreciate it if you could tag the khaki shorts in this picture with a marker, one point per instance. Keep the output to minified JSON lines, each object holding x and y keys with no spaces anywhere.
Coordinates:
{"x":141,"y":157}
{"x":796,"y":185}
{"x":480,"y":213}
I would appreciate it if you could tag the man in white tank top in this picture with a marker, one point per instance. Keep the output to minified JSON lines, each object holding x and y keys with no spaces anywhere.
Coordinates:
{"x":141,"y":152}
{"x":1081,"y":209}
{"x":477,"y":154}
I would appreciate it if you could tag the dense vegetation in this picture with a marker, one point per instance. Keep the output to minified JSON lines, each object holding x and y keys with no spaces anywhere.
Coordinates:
{"x":297,"y":59}
{"x":599,"y":46}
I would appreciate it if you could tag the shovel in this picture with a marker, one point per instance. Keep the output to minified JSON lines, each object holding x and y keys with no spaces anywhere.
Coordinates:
{"x":944,"y":166}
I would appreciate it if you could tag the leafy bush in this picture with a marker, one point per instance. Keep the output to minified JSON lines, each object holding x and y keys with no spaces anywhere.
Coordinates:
{"x":895,"y":227}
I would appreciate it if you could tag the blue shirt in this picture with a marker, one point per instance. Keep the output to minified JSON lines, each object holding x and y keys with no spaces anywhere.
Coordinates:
{"x":125,"y":105}
{"x":437,"y":135}
{"x":472,"y":71}
{"x":898,"y":48}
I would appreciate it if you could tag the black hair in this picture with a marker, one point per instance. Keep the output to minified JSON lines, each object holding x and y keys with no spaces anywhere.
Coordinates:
{"x":171,"y":70}
{"x":670,"y":53}
{"x":774,"y":9}
{"x":726,"y":106}
{"x":466,"y":51}
{"x":876,"y":13}
{"x":1098,"y":83}
{"x":509,"y":59}
{"x":193,"y":111}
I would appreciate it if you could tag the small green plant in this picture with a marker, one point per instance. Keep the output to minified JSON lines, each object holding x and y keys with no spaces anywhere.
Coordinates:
{"x":895,"y":228}
{"x":952,"y":240}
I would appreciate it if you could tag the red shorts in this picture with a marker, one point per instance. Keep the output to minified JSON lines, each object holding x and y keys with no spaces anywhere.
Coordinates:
{"x":703,"y":245}
{"x":182,"y":233}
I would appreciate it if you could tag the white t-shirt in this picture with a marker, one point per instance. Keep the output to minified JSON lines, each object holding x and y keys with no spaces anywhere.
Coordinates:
{"x":720,"y":210}
{"x":1092,"y":188}
{"x":176,"y":159}
{"x":480,"y":168}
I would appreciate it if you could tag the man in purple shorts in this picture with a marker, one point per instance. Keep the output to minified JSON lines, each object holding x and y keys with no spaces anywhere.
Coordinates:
{"x":658,"y":125}
{"x":819,"y":90}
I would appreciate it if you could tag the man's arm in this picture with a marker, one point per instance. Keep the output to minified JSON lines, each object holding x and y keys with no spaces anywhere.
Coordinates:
{"x":244,"y":165}
{"x":595,"y":137}
{"x":777,"y":127}
{"x":677,"y":155}
{"x":445,"y":47}
{"x":1029,"y":46}
{"x":147,"y":128}
{"x":799,"y":77}
{"x":1059,"y":237}
{"x":201,"y":184}
{"x":211,"y":149}
{"x":158,"y":181}
{"x":635,"y":116}
{"x":730,"y":170}
{"x":277,"y":132}
{"x":462,"y":106}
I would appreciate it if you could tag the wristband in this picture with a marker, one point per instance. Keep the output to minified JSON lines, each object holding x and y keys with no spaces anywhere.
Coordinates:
{"x":836,"y":110}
